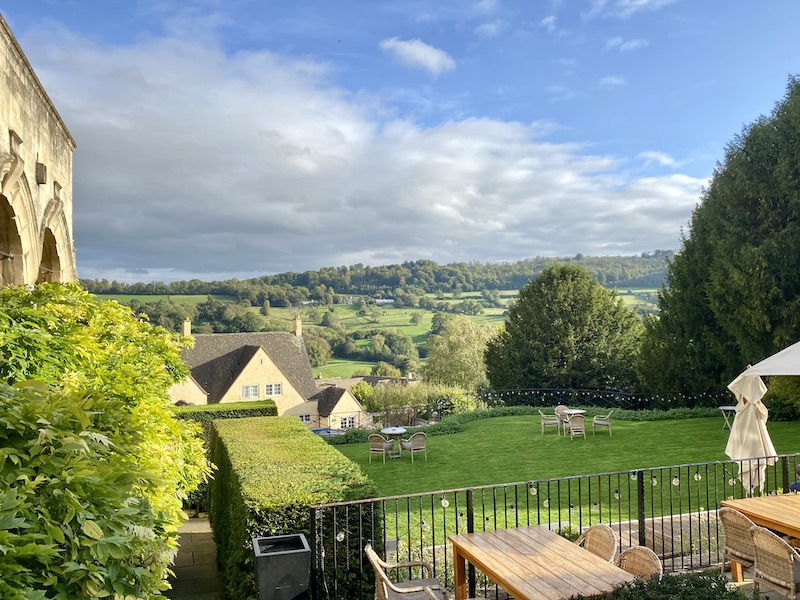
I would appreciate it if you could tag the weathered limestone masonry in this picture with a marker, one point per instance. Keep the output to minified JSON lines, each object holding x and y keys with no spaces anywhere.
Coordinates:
{"x":36,"y":149}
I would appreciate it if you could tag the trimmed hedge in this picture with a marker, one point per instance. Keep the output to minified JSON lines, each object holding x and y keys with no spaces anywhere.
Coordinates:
{"x":205,"y":414}
{"x":270,"y":471}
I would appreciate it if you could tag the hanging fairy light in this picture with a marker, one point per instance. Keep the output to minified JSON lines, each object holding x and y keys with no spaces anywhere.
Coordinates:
{"x":616,"y":494}
{"x":340,"y":536}
{"x":445,"y":502}
{"x":697,"y":476}
{"x":532,"y":489}
{"x":546,"y":503}
{"x":654,"y":481}
{"x":676,"y":481}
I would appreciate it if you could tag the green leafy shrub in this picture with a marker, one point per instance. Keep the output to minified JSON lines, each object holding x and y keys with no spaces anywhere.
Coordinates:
{"x":73,"y":523}
{"x":270,"y":471}
{"x":694,"y":586}
{"x":81,"y":349}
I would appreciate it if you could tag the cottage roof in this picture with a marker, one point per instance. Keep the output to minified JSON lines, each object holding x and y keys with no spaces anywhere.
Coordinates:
{"x":327,"y":399}
{"x":218,"y":358}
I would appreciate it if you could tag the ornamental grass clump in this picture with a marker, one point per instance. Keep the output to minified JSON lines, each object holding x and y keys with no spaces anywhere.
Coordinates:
{"x":93,"y":467}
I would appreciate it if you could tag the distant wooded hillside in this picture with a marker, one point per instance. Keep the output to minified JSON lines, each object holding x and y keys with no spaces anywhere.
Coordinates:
{"x":647,"y":270}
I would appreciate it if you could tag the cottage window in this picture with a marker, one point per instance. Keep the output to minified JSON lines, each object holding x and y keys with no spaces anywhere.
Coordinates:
{"x":348,"y":422}
{"x":249,"y":391}
{"x":273,"y":389}
{"x":305,"y":418}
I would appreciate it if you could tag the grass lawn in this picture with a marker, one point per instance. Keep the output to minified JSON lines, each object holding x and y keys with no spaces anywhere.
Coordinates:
{"x":342,"y":367}
{"x":510,"y":449}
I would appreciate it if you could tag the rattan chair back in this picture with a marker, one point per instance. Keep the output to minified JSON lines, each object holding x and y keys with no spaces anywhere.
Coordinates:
{"x":640,"y":562}
{"x":775,"y":562}
{"x":600,"y":540}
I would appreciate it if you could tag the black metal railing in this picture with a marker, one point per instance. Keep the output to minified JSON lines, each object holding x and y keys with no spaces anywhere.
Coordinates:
{"x":672,"y":510}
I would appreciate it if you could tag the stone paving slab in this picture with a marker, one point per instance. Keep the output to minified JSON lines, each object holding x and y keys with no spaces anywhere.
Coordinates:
{"x":196,"y":576}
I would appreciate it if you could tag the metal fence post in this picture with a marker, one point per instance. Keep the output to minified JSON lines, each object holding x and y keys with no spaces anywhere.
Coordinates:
{"x":471,"y":579}
{"x":785,"y":473}
{"x":640,"y":507}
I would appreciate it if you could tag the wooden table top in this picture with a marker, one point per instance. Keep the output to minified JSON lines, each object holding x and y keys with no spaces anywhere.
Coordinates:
{"x":536,"y":563}
{"x":780,"y":512}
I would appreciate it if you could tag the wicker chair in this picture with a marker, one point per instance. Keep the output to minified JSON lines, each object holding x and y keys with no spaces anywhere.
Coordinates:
{"x":414,"y":444}
{"x":600,"y":540}
{"x":385,"y":589}
{"x":550,"y":421}
{"x":562,"y":417}
{"x":379,"y":445}
{"x":640,"y":562}
{"x":776,"y":562}
{"x":738,"y":547}
{"x":602,"y":421}
{"x":576,"y":426}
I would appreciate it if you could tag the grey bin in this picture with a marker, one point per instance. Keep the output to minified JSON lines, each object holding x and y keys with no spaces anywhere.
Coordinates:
{"x":283,"y":567}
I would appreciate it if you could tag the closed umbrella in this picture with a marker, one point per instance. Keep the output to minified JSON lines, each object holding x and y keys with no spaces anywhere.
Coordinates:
{"x":749,"y":438}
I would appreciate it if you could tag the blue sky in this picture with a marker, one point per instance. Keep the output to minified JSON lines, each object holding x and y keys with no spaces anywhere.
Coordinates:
{"x":240,"y":138}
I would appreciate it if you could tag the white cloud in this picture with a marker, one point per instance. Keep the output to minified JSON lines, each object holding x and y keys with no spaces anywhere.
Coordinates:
{"x":194,"y":163}
{"x":652,"y":157}
{"x":487,"y":5}
{"x":625,"y":45}
{"x":419,"y":55}
{"x":612,"y":81}
{"x":624,"y":8}
{"x":549,"y":23}
{"x":491,"y":29}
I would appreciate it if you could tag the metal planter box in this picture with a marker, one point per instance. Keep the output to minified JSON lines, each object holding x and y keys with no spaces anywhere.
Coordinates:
{"x":283,"y":567}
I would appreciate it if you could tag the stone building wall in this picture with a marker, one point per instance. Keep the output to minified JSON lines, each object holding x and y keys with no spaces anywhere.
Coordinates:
{"x":36,"y":242}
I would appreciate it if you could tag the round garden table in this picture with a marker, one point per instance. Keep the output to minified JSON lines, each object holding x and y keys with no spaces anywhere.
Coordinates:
{"x":394,"y":433}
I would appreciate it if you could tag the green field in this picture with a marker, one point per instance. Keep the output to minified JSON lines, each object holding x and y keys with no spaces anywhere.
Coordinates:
{"x":281,"y":318}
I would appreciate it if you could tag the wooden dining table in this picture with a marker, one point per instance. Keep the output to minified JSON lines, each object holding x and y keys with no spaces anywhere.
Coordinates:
{"x":779,"y":513}
{"x":533,"y":563}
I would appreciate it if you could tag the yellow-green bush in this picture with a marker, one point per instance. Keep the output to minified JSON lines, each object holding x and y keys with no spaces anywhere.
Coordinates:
{"x":270,"y":471}
{"x":79,"y":349}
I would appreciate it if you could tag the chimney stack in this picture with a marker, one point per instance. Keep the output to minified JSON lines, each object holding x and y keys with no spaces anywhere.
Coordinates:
{"x":298,"y":325}
{"x":186,"y":329}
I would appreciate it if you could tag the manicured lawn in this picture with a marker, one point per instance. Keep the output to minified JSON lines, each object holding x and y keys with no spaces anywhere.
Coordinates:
{"x":509,"y":449}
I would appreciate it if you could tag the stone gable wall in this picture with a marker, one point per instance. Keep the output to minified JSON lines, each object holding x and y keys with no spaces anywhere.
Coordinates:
{"x":35,"y":175}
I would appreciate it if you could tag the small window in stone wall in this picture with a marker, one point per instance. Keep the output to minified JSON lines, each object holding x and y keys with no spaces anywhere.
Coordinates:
{"x":305,"y":418}
{"x":273,"y":389}
{"x":348,"y":422}
{"x":249,"y":391}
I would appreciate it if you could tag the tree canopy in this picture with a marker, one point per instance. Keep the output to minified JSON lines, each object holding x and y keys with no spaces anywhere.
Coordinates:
{"x":455,"y":355}
{"x":733,"y":293}
{"x":565,"y":331}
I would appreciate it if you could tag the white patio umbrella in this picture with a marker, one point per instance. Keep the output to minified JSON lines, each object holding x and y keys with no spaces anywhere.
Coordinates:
{"x":749,"y":438}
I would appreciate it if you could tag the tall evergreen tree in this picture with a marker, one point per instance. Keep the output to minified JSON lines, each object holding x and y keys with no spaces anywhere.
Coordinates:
{"x":565,"y":331}
{"x":734,"y":289}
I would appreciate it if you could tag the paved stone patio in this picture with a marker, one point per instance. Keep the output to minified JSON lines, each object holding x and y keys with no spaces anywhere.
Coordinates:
{"x":196,"y":576}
